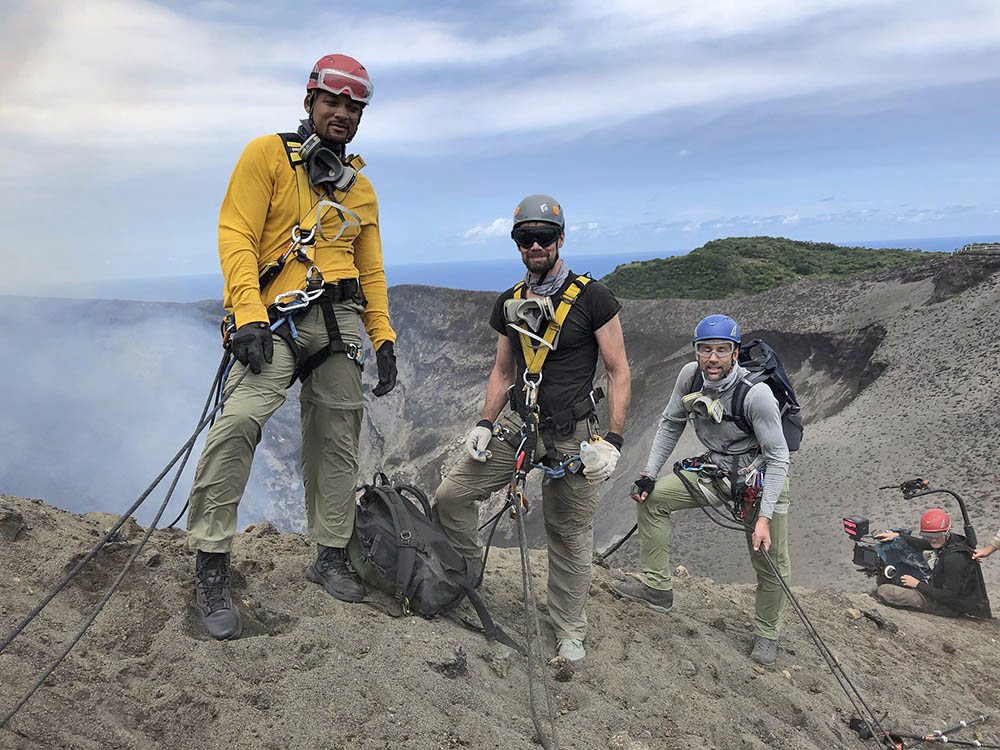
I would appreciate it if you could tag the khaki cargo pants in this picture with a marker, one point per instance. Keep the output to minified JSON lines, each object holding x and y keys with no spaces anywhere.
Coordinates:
{"x":654,"y":520}
{"x":331,"y":408}
{"x":568,"y":507}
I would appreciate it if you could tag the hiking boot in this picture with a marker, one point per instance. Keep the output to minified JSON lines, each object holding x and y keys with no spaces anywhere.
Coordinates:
{"x":331,"y":572}
{"x":637,"y":591}
{"x":764,"y":651}
{"x":212,"y":598}
{"x":570,"y":649}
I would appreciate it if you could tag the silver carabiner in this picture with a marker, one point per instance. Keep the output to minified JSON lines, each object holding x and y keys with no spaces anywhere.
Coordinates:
{"x":290,"y":301}
{"x":299,"y":239}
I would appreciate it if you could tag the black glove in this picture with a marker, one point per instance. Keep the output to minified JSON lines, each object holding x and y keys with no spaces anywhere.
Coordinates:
{"x":385,"y":360}
{"x":252,"y":345}
{"x":642,"y":484}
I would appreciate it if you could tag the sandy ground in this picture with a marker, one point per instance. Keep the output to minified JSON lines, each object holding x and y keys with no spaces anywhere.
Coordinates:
{"x":312,"y":672}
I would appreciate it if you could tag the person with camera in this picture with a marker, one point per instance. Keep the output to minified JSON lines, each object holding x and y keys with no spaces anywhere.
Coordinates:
{"x":950,"y":589}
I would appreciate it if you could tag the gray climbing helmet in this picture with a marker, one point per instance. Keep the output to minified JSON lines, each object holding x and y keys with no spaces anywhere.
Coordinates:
{"x":539,"y":208}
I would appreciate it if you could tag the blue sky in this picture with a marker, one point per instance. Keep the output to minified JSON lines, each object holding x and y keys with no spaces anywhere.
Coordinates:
{"x":659,"y":125}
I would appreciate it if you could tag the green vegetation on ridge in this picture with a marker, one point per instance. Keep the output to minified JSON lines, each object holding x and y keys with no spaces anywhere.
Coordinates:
{"x":738,"y":266}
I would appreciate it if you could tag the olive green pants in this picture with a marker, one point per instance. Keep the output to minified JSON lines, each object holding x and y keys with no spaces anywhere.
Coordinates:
{"x":654,"y":520}
{"x":331,"y":409}
{"x":568,"y":507}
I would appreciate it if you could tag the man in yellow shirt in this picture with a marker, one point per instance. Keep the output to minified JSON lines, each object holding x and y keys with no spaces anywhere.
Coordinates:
{"x":298,"y":221}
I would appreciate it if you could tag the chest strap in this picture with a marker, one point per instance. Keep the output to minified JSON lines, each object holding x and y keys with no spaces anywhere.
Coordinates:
{"x":534,"y":357}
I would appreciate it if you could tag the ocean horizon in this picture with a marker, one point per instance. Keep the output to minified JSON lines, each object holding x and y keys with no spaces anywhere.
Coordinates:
{"x":490,"y":275}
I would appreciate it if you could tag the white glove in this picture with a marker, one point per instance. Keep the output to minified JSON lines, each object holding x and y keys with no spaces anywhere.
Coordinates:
{"x":599,"y":459}
{"x":476,"y":442}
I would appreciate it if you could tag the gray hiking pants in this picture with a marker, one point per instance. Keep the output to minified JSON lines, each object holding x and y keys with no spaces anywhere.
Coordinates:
{"x":568,"y":507}
{"x":331,"y":410}
{"x":654,"y":520}
{"x":906,"y":598}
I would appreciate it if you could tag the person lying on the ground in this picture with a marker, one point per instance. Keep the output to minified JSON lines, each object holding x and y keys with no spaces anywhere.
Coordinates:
{"x":989,"y":549}
{"x":951,"y":589}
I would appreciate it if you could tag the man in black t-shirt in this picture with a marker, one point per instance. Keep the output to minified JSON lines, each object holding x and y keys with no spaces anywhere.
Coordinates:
{"x":567,"y":424}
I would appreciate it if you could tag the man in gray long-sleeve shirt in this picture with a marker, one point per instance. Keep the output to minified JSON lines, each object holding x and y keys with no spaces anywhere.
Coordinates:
{"x":758,"y":459}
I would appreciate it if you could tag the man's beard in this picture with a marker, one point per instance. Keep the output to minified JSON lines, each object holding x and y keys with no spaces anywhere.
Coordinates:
{"x":542,"y":271}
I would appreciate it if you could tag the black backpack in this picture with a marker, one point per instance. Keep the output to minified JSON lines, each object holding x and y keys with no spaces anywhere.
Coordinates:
{"x":765,"y":367}
{"x":398,"y":547}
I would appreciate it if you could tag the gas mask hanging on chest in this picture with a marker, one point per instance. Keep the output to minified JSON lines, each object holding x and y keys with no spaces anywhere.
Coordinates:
{"x":530,"y":317}
{"x":326,"y":171}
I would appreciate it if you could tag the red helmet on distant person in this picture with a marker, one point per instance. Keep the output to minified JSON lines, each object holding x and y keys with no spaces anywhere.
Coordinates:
{"x":341,"y":74}
{"x":935,"y":521}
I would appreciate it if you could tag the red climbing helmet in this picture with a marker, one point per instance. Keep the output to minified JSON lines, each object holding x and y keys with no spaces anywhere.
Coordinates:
{"x":340,"y":74}
{"x":934,"y":522}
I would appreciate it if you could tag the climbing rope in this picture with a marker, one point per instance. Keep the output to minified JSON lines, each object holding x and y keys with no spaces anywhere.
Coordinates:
{"x":854,"y":695}
{"x":182,"y":456}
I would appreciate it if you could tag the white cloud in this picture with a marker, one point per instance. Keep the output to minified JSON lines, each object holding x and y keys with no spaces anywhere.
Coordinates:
{"x":499,"y":227}
{"x":793,"y":219}
{"x":157,"y":86}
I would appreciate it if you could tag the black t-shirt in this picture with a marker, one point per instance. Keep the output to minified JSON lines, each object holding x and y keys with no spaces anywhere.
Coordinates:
{"x":568,"y":372}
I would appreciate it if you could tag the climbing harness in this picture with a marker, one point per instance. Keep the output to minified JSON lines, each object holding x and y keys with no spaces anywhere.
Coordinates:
{"x":535,"y":349}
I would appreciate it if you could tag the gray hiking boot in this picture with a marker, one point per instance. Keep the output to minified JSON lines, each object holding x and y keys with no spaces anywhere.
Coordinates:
{"x":637,"y":591}
{"x":570,"y":649}
{"x":764,"y":651}
{"x":330,"y":571}
{"x":212,"y":598}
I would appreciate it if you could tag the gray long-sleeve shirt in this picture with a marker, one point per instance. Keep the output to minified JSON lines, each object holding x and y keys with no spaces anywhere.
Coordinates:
{"x":727,"y":443}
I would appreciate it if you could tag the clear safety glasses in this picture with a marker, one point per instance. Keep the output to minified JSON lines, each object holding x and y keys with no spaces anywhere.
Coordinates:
{"x":338,"y":82}
{"x":526,"y":237}
{"x":720,"y":349}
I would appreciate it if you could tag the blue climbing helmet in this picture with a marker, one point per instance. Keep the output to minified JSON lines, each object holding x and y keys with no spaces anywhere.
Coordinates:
{"x":720,"y":327}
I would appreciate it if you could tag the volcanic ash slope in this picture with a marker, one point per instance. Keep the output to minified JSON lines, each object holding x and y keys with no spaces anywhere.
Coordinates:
{"x":312,"y":672}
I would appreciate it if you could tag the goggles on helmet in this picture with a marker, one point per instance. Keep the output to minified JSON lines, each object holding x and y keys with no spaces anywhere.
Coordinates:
{"x":930,"y":535}
{"x":526,"y":237}
{"x":339,"y":82}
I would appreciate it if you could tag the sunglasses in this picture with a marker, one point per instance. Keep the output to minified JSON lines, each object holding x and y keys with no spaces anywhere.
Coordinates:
{"x":526,"y":237}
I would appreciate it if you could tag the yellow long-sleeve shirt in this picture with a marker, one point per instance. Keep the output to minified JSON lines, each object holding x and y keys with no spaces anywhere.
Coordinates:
{"x":265,"y":199}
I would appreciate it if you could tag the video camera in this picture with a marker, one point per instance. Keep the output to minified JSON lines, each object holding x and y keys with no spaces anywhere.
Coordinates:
{"x":866,"y":556}
{"x":883,"y":561}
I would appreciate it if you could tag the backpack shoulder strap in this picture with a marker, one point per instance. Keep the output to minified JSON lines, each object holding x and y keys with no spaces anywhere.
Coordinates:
{"x":491,"y":630}
{"x":534,"y":359}
{"x":739,"y":415}
{"x":406,"y":553}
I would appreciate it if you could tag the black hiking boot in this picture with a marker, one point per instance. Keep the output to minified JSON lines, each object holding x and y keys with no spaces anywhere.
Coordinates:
{"x":331,"y":572}
{"x":212,"y":598}
{"x":637,"y":591}
{"x":764,"y":651}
